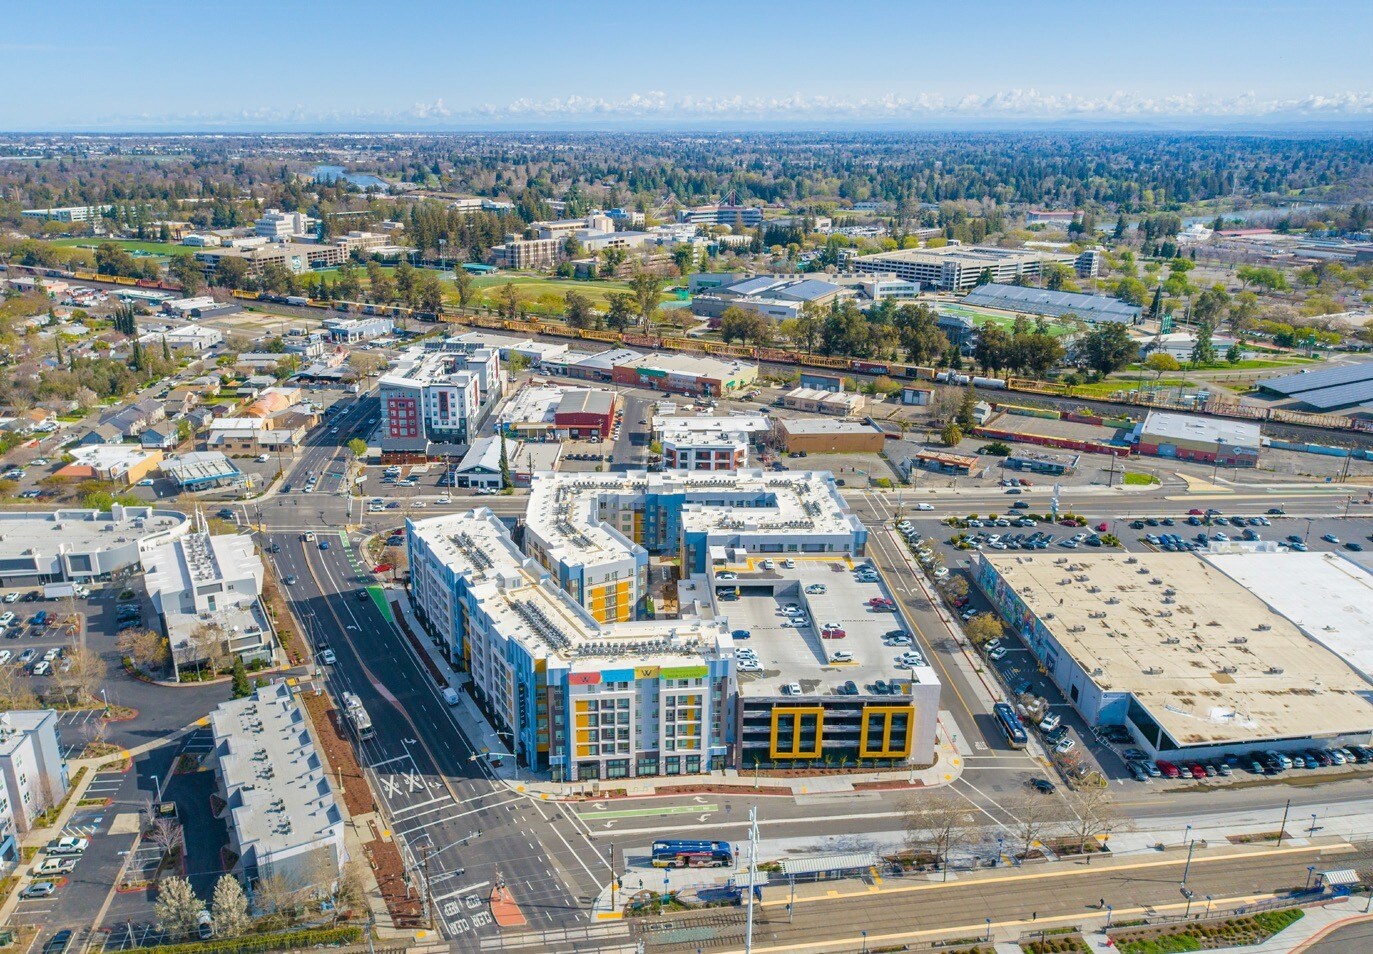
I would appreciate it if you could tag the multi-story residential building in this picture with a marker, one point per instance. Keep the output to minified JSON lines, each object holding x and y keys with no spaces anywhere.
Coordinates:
{"x":431,"y":404}
{"x":207,"y":587}
{"x":558,"y":650}
{"x":295,"y":257}
{"x":516,"y":252}
{"x":35,"y":777}
{"x":284,"y":820}
{"x":279,"y":226}
{"x":708,"y":443}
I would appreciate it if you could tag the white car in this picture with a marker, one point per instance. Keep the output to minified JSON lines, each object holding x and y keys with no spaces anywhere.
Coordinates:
{"x":750,"y":665}
{"x":997,"y":654}
{"x":924,"y":506}
{"x":42,"y":668}
{"x":842,"y":656}
{"x":792,"y":689}
{"x":11,"y":597}
{"x":1065,"y":746}
{"x":327,"y":657}
{"x":789,"y":563}
{"x":5,"y":656}
{"x":940,"y":573}
{"x":768,"y":565}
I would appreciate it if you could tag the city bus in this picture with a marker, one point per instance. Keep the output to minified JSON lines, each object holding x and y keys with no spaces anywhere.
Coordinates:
{"x":357,"y":717}
{"x":693,"y":854}
{"x":1010,"y":725}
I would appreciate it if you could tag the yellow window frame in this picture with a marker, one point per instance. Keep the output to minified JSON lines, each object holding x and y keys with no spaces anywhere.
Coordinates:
{"x":885,"y":750}
{"x":798,"y":713}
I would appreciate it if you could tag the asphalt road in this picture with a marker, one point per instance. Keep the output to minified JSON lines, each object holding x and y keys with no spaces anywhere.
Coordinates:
{"x":436,"y":791}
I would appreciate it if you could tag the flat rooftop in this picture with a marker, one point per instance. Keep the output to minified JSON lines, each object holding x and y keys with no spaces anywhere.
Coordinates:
{"x":966,"y":254}
{"x":1189,"y":427}
{"x":25,"y":533}
{"x":531,"y":405}
{"x":825,"y":425}
{"x":1050,"y":427}
{"x":1327,"y":596}
{"x":567,"y":507}
{"x":1211,"y":662}
{"x":278,"y":789}
{"x":524,"y":604}
{"x":788,"y":654}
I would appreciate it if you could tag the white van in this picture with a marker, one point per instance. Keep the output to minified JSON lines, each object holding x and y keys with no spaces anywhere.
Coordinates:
{"x":450,"y":696}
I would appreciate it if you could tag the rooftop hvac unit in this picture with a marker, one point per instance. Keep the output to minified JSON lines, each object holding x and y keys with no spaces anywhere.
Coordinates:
{"x":1240,"y":640}
{"x":1274,"y":670}
{"x":1171,"y":641}
{"x":1153,"y":671}
{"x":1263,"y":627}
{"x":1229,"y":669}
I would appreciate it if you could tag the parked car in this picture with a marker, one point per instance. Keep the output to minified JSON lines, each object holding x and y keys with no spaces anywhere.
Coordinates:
{"x":39,"y":889}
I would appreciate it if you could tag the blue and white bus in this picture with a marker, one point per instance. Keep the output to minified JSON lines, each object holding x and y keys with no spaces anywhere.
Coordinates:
{"x":693,"y":854}
{"x":1010,"y":725}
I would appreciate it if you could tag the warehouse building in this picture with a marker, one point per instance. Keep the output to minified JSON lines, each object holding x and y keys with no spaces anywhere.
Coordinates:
{"x":824,"y":401}
{"x":583,"y":413}
{"x":828,"y":436}
{"x":697,"y":375}
{"x":1192,"y":437}
{"x":1175,"y":648}
{"x":557,"y":646}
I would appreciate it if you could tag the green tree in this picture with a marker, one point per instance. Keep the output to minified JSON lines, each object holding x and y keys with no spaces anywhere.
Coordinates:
{"x":967,"y":408}
{"x":232,"y":272}
{"x":620,"y":311}
{"x":647,"y":289}
{"x":241,"y":686}
{"x":358,"y":448}
{"x":462,"y":282}
{"x":1106,"y":348}
{"x":1234,"y":354}
{"x":509,"y":299}
{"x":186,"y":272}
{"x":577,"y":310}
{"x":1204,"y":350}
{"x":506,"y":482}
{"x":684,"y":257}
{"x":1160,"y":362}
{"x":952,"y":434}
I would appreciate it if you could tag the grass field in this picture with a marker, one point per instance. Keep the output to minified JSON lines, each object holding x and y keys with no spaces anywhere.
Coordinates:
{"x":980,"y":317}
{"x":1110,"y":385}
{"x":128,"y":245}
{"x":538,"y":289}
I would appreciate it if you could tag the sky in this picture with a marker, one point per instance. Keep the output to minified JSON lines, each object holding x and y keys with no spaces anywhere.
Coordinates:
{"x":253,"y":65}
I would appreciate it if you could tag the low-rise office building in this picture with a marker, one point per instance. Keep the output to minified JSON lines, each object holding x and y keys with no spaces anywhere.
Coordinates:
{"x":33,"y":773}
{"x":697,"y":375}
{"x":283,"y":817}
{"x":1181,"y":653}
{"x":708,"y":443}
{"x":357,"y":329}
{"x":583,"y":413}
{"x":816,"y":401}
{"x":295,"y":257}
{"x":206,"y":592}
{"x":67,"y":213}
{"x":959,"y":268}
{"x":123,"y":464}
{"x":81,"y":545}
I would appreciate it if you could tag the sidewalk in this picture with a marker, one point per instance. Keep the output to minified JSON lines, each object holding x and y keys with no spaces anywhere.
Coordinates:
{"x":947,"y":767}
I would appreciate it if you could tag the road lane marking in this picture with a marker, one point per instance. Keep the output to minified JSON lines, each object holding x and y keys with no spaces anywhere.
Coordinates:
{"x":644,"y":812}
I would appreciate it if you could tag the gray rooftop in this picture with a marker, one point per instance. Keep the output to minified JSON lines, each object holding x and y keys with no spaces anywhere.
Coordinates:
{"x":1039,"y":301}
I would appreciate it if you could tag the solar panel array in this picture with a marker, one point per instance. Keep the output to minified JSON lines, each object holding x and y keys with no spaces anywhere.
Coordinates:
{"x":1328,"y":389}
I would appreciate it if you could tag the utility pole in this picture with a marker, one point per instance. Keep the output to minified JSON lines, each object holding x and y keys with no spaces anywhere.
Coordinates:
{"x":1285,"y":809}
{"x":428,"y":891}
{"x":752,"y":867}
{"x":611,"y":851}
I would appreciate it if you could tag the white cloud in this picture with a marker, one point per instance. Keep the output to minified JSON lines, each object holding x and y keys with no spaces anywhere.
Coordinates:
{"x":659,"y":107}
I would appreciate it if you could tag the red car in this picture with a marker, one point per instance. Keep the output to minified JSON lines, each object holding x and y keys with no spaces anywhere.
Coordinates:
{"x":833,"y":634}
{"x":1196,"y":512}
{"x":382,"y":568}
{"x":1101,"y":527}
{"x":1168,"y":769}
{"x":1197,"y":771}
{"x":881,"y":601}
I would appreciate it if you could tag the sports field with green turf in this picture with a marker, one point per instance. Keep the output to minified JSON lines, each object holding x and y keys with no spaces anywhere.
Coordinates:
{"x":128,"y":245}
{"x":1001,"y":319}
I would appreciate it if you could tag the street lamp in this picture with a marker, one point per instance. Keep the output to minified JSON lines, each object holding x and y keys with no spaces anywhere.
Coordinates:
{"x":1108,"y":916}
{"x":1208,"y":905}
{"x":1188,"y":867}
{"x":1310,"y":872}
{"x":1312,"y":831}
{"x":1185,"y":835}
{"x":865,"y":942}
{"x":989,"y":929}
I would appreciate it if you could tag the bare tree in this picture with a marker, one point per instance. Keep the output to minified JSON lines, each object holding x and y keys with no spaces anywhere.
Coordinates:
{"x":1033,"y":818}
{"x":1095,"y":814}
{"x":278,"y":898}
{"x":166,"y":834}
{"x":16,"y":689}
{"x":351,"y":891}
{"x":209,"y":641}
{"x":80,"y":675}
{"x":146,"y":647}
{"x":941,"y":820}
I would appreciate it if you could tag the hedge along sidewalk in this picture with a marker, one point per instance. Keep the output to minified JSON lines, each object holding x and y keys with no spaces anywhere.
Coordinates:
{"x":253,"y":943}
{"x":1318,"y":921}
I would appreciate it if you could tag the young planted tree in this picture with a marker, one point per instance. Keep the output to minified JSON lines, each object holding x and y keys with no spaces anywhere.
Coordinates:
{"x":939,"y":821}
{"x":1095,"y":814}
{"x":146,"y":648}
{"x":983,"y":628}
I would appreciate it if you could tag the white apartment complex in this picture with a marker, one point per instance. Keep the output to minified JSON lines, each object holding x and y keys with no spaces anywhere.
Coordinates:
{"x":35,"y":777}
{"x":708,"y":443}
